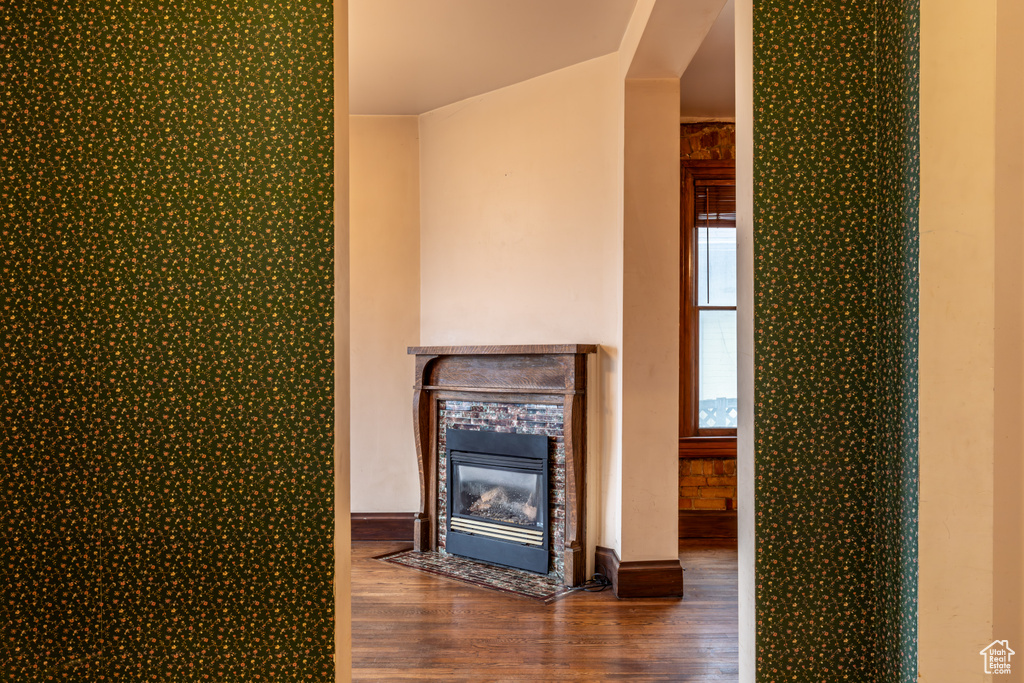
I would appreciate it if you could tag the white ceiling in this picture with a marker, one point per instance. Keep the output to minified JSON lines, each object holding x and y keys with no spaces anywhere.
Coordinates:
{"x":708,"y":86}
{"x":413,"y":56}
{"x":674,"y":31}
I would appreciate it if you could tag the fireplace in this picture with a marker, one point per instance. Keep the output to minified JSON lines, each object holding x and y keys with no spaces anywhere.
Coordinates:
{"x":497,"y":498}
{"x":504,"y":390}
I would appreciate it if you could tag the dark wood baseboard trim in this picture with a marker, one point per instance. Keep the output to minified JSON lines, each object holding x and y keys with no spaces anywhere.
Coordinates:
{"x":382,"y":526}
{"x":646,"y":579}
{"x":707,"y":524}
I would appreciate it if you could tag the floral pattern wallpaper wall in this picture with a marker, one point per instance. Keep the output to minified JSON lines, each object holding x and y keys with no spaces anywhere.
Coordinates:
{"x":166,"y":344}
{"x":835,"y":319}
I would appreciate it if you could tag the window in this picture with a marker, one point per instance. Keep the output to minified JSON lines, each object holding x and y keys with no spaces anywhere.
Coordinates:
{"x":707,"y":325}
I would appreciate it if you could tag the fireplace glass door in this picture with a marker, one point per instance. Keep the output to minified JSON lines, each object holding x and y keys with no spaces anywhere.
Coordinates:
{"x":506,"y":496}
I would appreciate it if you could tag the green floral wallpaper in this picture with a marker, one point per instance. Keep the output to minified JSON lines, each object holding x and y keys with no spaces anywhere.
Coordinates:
{"x":835,"y":296}
{"x":166,"y":340}
{"x":896,"y":476}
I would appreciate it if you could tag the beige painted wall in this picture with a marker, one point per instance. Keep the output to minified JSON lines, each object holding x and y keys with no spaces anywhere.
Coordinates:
{"x":385,"y":310}
{"x":650,"y":321}
{"x":1008,"y":461}
{"x":745,"y":337}
{"x":971,"y":340}
{"x":521,"y":232}
{"x":520,"y":227}
{"x":342,"y":526}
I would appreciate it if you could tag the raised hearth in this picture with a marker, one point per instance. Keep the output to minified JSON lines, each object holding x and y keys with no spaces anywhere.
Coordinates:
{"x":538,"y":390}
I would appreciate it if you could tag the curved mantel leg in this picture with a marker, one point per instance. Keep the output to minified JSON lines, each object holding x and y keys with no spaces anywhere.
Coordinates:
{"x":424,"y":536}
{"x":575,"y":492}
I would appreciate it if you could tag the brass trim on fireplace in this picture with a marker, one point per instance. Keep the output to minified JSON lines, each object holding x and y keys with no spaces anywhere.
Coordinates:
{"x":524,"y":536}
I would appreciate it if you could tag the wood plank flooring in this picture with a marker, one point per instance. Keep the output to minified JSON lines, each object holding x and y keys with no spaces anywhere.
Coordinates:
{"x":416,"y":627}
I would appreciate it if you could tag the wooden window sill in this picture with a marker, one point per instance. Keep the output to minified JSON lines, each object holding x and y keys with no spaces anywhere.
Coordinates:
{"x":707,"y":447}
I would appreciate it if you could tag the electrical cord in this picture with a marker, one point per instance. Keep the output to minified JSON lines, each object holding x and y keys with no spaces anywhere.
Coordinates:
{"x":596,"y":584}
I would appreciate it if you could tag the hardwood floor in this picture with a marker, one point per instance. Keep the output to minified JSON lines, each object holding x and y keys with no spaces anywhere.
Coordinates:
{"x":412,"y":626}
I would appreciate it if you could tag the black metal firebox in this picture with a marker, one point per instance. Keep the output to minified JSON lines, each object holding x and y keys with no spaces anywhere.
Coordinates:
{"x":498,"y":498}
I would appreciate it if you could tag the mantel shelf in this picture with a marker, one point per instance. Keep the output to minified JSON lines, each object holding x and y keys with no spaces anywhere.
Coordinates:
{"x":512,"y":350}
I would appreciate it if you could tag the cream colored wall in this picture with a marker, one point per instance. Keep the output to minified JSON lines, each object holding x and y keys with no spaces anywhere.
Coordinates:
{"x":745,"y":337}
{"x":342,"y":527}
{"x":385,"y":309}
{"x":521,"y":232}
{"x":518,"y":213}
{"x":970,"y":332}
{"x":1008,"y":461}
{"x":650,"y":322}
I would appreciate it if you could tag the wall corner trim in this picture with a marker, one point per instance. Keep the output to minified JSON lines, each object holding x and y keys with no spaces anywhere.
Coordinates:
{"x":644,"y":579}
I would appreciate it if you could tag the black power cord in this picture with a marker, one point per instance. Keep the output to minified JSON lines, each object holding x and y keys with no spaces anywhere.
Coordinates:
{"x":596,"y":584}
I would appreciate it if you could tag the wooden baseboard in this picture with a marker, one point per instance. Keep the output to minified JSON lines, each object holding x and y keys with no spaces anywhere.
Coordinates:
{"x":382,"y":526}
{"x":707,"y":524}
{"x":646,"y":579}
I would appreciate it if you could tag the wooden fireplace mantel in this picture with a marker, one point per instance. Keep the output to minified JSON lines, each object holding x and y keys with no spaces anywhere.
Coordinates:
{"x":551,"y":374}
{"x":520,"y":349}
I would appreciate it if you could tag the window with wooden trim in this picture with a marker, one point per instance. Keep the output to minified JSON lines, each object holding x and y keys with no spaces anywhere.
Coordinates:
{"x":707,"y":327}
